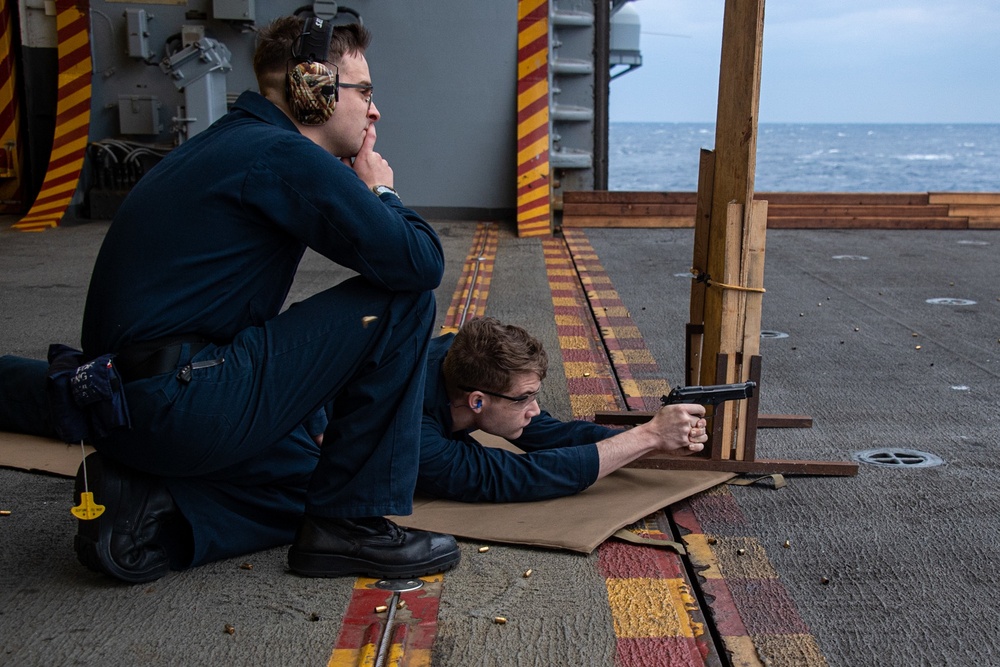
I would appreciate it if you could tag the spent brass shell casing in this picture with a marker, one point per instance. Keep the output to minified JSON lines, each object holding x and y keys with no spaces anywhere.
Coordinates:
{"x":483,"y":550}
{"x":230,"y":630}
{"x":381,"y":609}
{"x":712,"y":540}
{"x":741,"y":552}
{"x":499,"y":620}
{"x":4,"y":512}
{"x":527,"y":573}
{"x":824,"y":580}
{"x":401,"y":604}
{"x":246,"y":566}
{"x":788,"y":544}
{"x":368,"y":319}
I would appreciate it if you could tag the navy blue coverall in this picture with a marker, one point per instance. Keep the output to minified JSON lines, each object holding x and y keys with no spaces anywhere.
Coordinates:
{"x":208,"y":243}
{"x":560,"y":458}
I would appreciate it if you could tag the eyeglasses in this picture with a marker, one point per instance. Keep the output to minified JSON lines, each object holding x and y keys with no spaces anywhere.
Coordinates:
{"x":367,"y":90}
{"x":516,"y":401}
{"x":332,"y":92}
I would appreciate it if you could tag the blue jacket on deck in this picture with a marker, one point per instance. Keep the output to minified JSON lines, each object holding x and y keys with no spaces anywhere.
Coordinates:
{"x":560,"y":458}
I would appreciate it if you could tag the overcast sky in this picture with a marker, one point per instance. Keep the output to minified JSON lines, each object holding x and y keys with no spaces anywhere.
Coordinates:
{"x":836,"y":61}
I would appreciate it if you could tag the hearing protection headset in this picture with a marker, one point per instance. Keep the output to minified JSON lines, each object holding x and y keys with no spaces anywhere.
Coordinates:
{"x":311,"y":86}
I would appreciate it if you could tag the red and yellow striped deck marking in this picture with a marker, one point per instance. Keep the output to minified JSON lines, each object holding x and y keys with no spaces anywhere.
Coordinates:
{"x":414,"y":626}
{"x":753,"y":613}
{"x":740,"y":586}
{"x":652,"y":604}
{"x":639,"y":376}
{"x":69,"y":144}
{"x":534,"y":191}
{"x":10,"y":172}
{"x":361,"y":628}
{"x":469,"y":298}
{"x":651,"y":601}
{"x":589,"y":375}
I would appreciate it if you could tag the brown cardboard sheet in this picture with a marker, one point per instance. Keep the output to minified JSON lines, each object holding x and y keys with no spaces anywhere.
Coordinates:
{"x":34,"y":454}
{"x":576,"y":523}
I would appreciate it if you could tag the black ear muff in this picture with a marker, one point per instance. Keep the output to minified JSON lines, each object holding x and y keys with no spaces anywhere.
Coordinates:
{"x":311,"y":84}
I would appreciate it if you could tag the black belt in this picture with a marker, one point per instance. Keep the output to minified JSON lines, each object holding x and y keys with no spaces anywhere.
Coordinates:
{"x":155,"y":357}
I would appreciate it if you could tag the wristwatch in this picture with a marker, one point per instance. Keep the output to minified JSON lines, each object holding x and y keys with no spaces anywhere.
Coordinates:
{"x":382,"y":189}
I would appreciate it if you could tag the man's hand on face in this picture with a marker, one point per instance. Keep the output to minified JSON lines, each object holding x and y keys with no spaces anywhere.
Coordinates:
{"x":370,"y":166}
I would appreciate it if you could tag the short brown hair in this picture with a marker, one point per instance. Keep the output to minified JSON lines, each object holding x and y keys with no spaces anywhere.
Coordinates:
{"x":487,"y":354}
{"x":275,"y":43}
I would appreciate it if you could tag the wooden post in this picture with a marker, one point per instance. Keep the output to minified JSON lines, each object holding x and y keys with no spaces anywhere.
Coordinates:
{"x":723,"y":336}
{"x":735,"y":154}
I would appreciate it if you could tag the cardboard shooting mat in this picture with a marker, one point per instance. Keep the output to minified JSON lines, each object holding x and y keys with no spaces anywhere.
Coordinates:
{"x":575,"y":523}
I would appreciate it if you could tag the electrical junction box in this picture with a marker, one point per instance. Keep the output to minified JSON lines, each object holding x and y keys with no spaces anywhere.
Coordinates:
{"x":233,"y":10}
{"x":137,"y":23}
{"x":139,"y":114}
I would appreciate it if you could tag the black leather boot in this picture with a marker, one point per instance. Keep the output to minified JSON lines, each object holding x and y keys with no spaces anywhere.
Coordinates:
{"x":374,"y":547}
{"x":123,"y":541}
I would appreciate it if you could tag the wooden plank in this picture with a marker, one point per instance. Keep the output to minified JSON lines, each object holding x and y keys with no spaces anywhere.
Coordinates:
{"x":627,"y":208}
{"x":855,"y":211}
{"x":735,"y":154}
{"x":753,"y":278}
{"x":867,"y":223}
{"x":846,"y":198}
{"x":781,"y":222}
{"x":702,"y":225}
{"x":984,"y":223}
{"x":792,"y":198}
{"x":759,"y":466}
{"x":988,"y":198}
{"x":624,"y":196}
{"x":978,"y":210}
{"x":628,"y":222}
{"x":634,"y":417}
{"x":784,"y":421}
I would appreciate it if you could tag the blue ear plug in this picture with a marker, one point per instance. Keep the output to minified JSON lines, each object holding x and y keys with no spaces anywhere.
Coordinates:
{"x":479,"y":404}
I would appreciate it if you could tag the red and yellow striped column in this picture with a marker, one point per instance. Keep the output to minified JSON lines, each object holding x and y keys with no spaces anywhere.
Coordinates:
{"x":10,"y":181}
{"x":534,"y":190}
{"x":69,"y":144}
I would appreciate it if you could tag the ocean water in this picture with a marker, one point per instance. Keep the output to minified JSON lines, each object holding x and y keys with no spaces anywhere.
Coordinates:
{"x":795,"y":157}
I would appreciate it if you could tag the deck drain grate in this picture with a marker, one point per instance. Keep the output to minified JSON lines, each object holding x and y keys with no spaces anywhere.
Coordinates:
{"x":894,"y":457}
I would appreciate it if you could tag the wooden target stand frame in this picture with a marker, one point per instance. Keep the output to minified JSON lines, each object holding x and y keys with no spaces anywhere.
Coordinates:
{"x":723,"y":336}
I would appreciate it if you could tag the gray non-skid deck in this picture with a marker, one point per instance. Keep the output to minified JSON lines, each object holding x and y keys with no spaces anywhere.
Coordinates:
{"x":908,"y":552}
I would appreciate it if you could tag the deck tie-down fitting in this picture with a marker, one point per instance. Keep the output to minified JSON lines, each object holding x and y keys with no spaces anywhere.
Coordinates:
{"x":397,"y":586}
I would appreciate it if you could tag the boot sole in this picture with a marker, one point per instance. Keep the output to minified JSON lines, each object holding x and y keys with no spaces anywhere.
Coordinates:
{"x":92,"y":542}
{"x":331,"y":565}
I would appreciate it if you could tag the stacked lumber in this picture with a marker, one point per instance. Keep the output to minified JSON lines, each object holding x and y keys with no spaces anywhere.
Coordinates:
{"x":792,"y":210}
{"x":981,"y":208}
